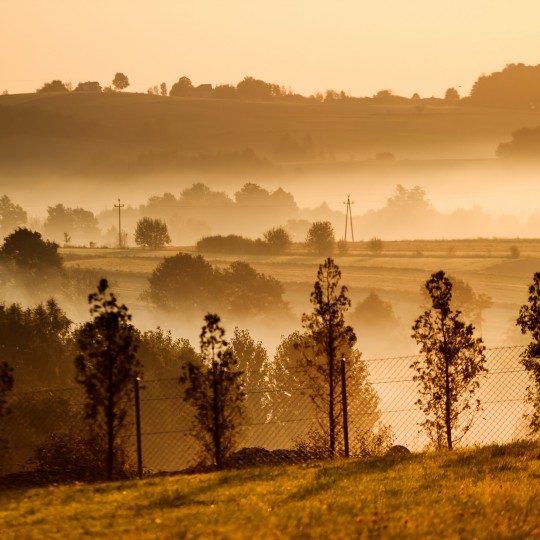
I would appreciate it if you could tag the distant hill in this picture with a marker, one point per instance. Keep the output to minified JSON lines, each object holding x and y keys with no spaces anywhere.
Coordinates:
{"x":126,"y":134}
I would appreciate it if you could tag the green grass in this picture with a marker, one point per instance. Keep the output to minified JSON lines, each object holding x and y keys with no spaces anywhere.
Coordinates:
{"x":493,"y":492}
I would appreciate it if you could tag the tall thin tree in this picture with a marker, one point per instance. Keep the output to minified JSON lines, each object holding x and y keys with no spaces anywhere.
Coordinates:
{"x":328,"y":338}
{"x":215,"y":388}
{"x":448,"y":374}
{"x":107,"y":367}
{"x":529,"y":321}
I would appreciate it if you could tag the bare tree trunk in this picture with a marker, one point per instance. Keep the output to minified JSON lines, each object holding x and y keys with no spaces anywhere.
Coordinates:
{"x":216,"y":431}
{"x":447,"y":390}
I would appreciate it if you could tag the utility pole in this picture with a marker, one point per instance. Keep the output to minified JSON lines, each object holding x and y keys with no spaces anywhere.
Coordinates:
{"x":348,"y":217}
{"x":119,"y":206}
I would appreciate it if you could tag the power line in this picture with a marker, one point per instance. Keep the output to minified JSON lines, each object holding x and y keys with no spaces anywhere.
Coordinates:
{"x":348,"y":218}
{"x":119,"y":206}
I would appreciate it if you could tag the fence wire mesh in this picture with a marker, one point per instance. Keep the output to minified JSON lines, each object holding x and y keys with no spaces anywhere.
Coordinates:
{"x":283,"y":422}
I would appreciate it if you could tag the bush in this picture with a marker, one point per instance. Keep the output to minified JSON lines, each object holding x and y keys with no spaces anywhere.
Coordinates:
{"x":232,"y":243}
{"x":72,"y":456}
{"x":374,"y":442}
{"x":375,"y":245}
{"x":320,"y":238}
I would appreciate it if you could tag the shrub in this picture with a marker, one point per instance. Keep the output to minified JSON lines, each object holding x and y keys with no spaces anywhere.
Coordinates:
{"x":72,"y":456}
{"x":232,"y":243}
{"x":375,"y":245}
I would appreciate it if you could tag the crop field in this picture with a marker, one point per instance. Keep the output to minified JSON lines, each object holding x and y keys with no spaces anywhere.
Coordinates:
{"x":491,"y":492}
{"x":397,"y":274}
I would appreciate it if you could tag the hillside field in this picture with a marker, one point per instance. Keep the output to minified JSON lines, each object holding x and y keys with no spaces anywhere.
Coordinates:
{"x":493,"y":492}
{"x":503,"y":269}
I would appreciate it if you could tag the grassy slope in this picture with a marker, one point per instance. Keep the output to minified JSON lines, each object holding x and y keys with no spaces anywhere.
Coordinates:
{"x":135,"y":122}
{"x":492,"y":492}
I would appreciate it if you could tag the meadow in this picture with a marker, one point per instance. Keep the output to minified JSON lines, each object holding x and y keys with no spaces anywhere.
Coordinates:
{"x":492,"y":492}
{"x":500,"y":268}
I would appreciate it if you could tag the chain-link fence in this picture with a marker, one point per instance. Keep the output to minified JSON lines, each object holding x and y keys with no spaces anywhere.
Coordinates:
{"x":283,"y":419}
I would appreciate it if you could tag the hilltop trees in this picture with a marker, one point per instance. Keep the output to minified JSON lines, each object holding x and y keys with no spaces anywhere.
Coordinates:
{"x":453,"y":361}
{"x":517,"y":85}
{"x":214,"y":387}
{"x":54,"y":86}
{"x":151,"y":233}
{"x":88,"y":86}
{"x":106,"y":367}
{"x":120,"y":81}
{"x":529,"y":322}
{"x":182,"y":88}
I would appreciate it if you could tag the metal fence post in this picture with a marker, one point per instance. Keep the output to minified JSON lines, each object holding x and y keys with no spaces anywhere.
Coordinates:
{"x":344,"y":401}
{"x":138,"y":428}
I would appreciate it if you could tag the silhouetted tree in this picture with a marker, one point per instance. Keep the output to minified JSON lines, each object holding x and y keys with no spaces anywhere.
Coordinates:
{"x":89,"y":86}
{"x":225,"y":91}
{"x":255,"y":366}
{"x":467,"y":301}
{"x":6,"y":385}
{"x":162,"y":356}
{"x":320,"y":238}
{"x":183,"y":282}
{"x":78,"y":223}
{"x":120,"y":81}
{"x":232,"y":243}
{"x":11,"y":216}
{"x":525,"y":144}
{"x":247,"y":292}
{"x":37,"y":343}
{"x":451,"y":95}
{"x":54,"y":86}
{"x":215,"y":389}
{"x":183,"y":87}
{"x":163,"y":89}
{"x":529,"y":322}
{"x":448,"y":374}
{"x":517,"y":85}
{"x":151,"y":233}
{"x":328,"y":337}
{"x":27,"y":251}
{"x":187,"y":283}
{"x":252,"y":88}
{"x":373,"y":313}
{"x":277,"y":239}
{"x":107,"y":367}
{"x":375,"y":245}
{"x":413,"y":199}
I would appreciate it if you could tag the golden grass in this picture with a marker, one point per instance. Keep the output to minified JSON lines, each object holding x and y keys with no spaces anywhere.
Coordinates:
{"x":487,"y":493}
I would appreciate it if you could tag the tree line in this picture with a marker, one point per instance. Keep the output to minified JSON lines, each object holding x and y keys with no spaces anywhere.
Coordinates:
{"x":109,"y":356}
{"x":516,"y":85}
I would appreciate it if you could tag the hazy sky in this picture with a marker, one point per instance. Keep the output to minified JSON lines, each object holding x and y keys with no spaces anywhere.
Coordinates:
{"x":361,"y":47}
